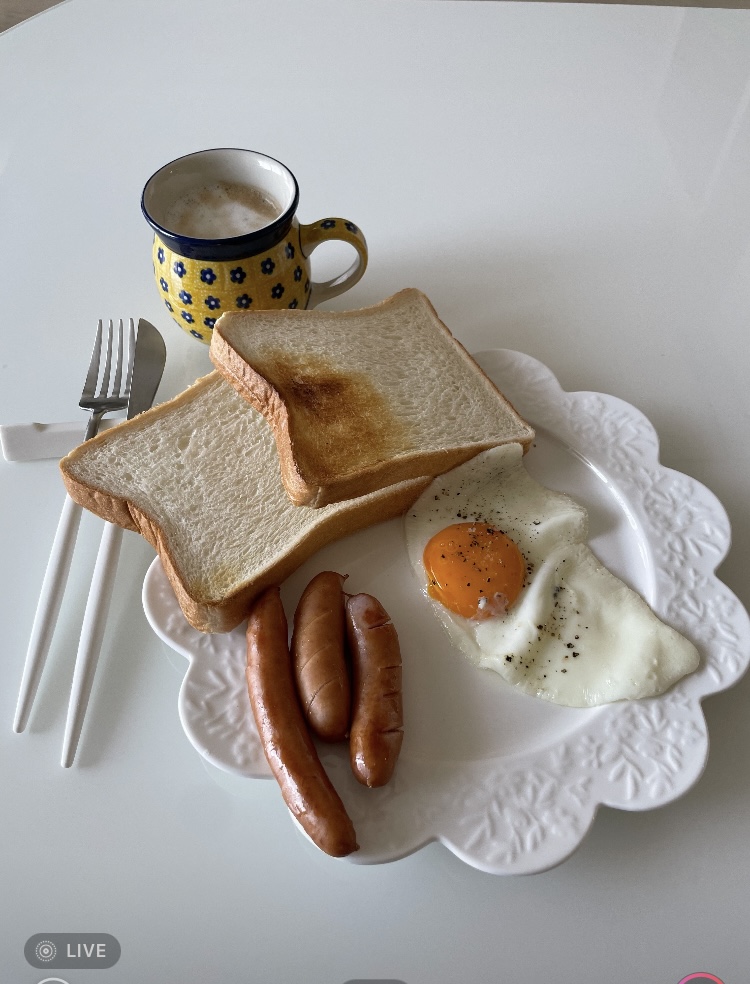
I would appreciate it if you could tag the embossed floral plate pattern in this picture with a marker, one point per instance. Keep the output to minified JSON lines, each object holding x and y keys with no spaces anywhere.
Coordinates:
{"x":507,"y":782}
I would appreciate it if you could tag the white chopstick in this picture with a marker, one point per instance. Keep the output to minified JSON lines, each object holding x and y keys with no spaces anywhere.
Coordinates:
{"x":92,"y":633}
{"x":48,"y":608}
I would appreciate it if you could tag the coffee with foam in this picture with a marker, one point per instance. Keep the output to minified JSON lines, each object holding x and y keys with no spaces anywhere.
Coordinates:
{"x":221,"y":210}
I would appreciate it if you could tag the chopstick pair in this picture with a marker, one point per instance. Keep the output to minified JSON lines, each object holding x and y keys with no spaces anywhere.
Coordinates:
{"x":92,"y":629}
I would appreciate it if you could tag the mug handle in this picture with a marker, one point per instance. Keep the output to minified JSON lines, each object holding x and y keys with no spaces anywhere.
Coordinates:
{"x":313,"y":235}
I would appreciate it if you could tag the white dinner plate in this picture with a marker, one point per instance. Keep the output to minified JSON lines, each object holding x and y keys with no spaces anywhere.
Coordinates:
{"x":508,"y":782}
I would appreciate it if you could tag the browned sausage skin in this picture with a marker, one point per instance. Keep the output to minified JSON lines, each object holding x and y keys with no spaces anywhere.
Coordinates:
{"x":319,"y":656}
{"x":287,"y":744}
{"x":377,"y":718}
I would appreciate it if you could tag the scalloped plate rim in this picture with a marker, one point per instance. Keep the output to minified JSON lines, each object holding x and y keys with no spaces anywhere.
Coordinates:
{"x":544,"y":848}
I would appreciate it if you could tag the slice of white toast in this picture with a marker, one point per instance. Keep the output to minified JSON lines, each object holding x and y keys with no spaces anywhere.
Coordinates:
{"x":198,"y":477}
{"x":360,"y":400}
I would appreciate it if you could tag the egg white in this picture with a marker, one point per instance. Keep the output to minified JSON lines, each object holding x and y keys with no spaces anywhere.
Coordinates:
{"x":577,"y":635}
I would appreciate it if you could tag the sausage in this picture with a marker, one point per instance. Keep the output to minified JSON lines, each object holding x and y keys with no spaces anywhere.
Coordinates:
{"x":319,"y":656}
{"x":377,"y":713}
{"x":288,"y":746}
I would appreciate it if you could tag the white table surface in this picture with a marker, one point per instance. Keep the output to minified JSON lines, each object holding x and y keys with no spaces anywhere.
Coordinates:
{"x":566,"y":180}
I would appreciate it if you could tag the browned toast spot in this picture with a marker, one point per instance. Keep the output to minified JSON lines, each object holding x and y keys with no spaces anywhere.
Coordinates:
{"x":353,"y":423}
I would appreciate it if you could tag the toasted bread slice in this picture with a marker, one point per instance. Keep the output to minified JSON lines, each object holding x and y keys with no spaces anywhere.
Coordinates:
{"x":198,"y":476}
{"x":359,"y":400}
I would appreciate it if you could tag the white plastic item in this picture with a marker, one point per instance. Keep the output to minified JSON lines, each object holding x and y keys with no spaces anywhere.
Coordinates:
{"x":92,"y":633}
{"x":34,"y":442}
{"x":48,"y":608}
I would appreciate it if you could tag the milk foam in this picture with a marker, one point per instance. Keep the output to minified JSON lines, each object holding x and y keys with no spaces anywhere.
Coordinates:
{"x":220,"y":210}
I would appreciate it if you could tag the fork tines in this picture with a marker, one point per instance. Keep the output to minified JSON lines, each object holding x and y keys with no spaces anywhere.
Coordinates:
{"x":100,"y":371}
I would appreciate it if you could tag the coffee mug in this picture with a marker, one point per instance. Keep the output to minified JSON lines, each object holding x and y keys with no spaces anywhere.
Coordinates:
{"x":227,"y":238}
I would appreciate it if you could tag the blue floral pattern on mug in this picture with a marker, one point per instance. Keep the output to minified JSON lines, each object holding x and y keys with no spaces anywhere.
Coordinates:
{"x":197,"y":290}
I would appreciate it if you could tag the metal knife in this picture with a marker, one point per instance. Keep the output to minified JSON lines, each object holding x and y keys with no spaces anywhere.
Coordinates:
{"x":148,"y":366}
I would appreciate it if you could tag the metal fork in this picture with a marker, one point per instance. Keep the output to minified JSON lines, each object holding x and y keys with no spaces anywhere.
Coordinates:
{"x":103,"y":392}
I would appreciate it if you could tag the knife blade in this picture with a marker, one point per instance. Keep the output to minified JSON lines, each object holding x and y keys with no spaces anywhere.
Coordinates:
{"x":148,"y":367}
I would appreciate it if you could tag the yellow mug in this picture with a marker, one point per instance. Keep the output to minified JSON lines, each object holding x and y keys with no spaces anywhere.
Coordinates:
{"x":227,"y":238}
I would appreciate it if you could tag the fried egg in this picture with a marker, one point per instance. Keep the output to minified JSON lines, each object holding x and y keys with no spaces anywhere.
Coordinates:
{"x":505,"y":564}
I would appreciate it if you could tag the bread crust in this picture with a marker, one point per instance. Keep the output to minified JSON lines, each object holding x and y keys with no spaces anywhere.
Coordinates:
{"x":223,"y":614}
{"x":300,"y":471}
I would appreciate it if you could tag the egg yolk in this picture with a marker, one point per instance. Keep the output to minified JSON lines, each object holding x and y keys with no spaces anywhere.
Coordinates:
{"x":474,"y":570}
